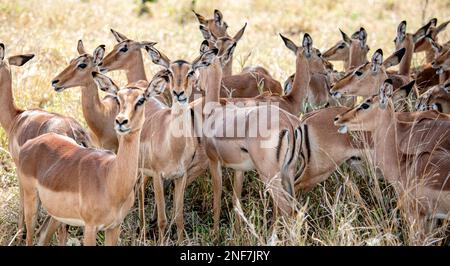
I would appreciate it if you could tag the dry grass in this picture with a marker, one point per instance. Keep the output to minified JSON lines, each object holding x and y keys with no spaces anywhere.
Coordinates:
{"x":347,"y":209}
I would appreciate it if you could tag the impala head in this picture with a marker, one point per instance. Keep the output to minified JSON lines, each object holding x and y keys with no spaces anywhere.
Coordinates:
{"x":422,"y":44}
{"x":225,"y":45}
{"x":130,"y":101}
{"x":217,"y":26}
{"x":341,"y":50}
{"x":123,"y":54}
{"x":180,"y":77}
{"x":363,"y":117}
{"x":315,"y":61}
{"x":436,"y":98}
{"x":404,"y":39}
{"x":79,"y":71}
{"x":15,"y":60}
{"x":442,"y":57}
{"x":366,"y":78}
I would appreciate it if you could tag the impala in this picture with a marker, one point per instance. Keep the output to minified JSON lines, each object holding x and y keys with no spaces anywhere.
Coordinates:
{"x":99,"y":113}
{"x":363,"y":79}
{"x":218,"y":29}
{"x":413,"y":157}
{"x":341,"y":51}
{"x":84,"y":186}
{"x":407,"y":41}
{"x":243,"y":153}
{"x":127,"y":55}
{"x":436,"y":98}
{"x":22,"y":125}
{"x":184,"y":157}
{"x":317,"y":92}
{"x":251,"y":81}
{"x":423,"y":45}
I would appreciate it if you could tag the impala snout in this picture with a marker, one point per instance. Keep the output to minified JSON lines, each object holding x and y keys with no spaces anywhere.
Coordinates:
{"x":179,"y":96}
{"x":121,"y":124}
{"x":57,"y":87}
{"x":338,"y":121}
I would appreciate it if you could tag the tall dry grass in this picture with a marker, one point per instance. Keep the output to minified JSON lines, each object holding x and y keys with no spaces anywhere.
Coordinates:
{"x":349,"y":208}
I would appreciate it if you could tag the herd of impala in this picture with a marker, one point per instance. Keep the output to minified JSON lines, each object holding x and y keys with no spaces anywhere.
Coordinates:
{"x":89,"y":178}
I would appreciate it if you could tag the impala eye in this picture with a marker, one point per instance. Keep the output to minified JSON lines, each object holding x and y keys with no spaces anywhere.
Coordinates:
{"x":82,"y":65}
{"x":141,"y":101}
{"x":358,"y":73}
{"x":124,"y":49}
{"x":341,"y":46}
{"x":365,"y":106}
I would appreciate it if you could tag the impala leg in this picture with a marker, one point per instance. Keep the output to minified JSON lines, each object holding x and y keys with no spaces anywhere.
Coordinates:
{"x":90,"y":234}
{"x":21,"y":219}
{"x":46,"y":235}
{"x":112,"y":236}
{"x":30,"y":212}
{"x":237,"y":191}
{"x":158,"y":186}
{"x":216,"y":174}
{"x":63,"y":232}
{"x":141,"y":201}
{"x":180,"y":186}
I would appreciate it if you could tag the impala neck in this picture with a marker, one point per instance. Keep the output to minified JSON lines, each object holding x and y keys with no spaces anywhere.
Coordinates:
{"x":405,"y":63}
{"x":228,"y":68}
{"x":429,"y":55}
{"x":357,"y":57}
{"x":135,"y":70}
{"x":300,"y":85}
{"x":125,"y":168}
{"x":8,"y":109}
{"x":93,"y":108}
{"x":213,"y":82}
{"x":346,"y":64}
{"x":385,"y":144}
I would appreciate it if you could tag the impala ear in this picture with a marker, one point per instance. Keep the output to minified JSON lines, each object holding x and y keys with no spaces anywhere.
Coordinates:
{"x":239,"y":34}
{"x":205,"y":32}
{"x":205,"y":59}
{"x":2,"y":51}
{"x":433,"y":22}
{"x":145,"y":43}
{"x":355,"y":35}
{"x":19,"y":60}
{"x":158,"y":84}
{"x":98,"y":54}
{"x":307,"y":45}
{"x":201,"y":19}
{"x":105,"y":83}
{"x":404,"y":90}
{"x":119,"y":36}
{"x":157,"y":57}
{"x":345,"y":37}
{"x":442,"y":27}
{"x":385,"y":93}
{"x":377,"y":60}
{"x":218,"y":17}
{"x":80,"y":47}
{"x":421,"y":32}
{"x":289,"y":44}
{"x":437,"y":48}
{"x":401,"y":32}
{"x":204,"y":47}
{"x":395,"y":58}
{"x":362,"y":37}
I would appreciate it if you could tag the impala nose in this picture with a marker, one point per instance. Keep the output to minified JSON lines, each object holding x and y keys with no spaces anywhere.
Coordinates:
{"x":121,"y":122}
{"x":54,"y":82}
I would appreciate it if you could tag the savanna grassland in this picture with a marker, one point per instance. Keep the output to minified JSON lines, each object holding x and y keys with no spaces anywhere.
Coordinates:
{"x":350,"y":208}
